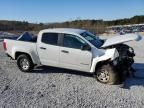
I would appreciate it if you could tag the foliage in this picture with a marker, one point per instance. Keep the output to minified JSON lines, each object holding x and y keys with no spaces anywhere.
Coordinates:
{"x":95,"y":26}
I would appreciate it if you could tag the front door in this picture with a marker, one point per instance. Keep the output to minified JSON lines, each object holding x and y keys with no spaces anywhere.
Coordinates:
{"x":71,"y":55}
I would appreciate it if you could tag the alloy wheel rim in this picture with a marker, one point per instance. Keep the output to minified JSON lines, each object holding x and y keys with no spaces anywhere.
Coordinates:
{"x":103,"y":76}
{"x":24,"y":64}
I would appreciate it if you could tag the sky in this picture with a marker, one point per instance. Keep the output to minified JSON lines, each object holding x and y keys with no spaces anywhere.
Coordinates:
{"x":46,"y":11}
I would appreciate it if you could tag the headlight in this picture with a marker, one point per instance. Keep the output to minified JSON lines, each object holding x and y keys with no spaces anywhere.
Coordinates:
{"x":131,"y":50}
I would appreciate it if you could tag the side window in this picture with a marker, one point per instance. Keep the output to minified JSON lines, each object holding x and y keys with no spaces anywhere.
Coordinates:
{"x":50,"y":38}
{"x":72,"y":41}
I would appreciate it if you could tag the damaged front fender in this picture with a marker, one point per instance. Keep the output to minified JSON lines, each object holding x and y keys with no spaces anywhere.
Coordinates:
{"x":110,"y":54}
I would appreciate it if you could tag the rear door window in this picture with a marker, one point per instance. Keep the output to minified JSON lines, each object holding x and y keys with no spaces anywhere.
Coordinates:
{"x":50,"y":38}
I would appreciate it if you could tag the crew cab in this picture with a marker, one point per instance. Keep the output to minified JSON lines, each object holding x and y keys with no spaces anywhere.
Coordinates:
{"x":74,"y":49}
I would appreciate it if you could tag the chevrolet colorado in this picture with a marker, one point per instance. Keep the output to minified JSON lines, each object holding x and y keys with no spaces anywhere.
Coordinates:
{"x":75,"y":49}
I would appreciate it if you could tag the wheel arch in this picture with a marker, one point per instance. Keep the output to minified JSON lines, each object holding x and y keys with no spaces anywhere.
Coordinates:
{"x":100,"y":63}
{"x":17,"y":54}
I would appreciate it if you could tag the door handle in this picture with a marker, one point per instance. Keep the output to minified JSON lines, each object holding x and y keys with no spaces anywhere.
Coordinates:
{"x":43,"y":48}
{"x":64,"y":51}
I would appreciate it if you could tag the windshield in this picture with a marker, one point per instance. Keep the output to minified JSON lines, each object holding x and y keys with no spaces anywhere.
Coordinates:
{"x":95,"y":40}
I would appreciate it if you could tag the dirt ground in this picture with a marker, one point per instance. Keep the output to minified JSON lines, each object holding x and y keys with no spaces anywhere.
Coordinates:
{"x":60,"y":88}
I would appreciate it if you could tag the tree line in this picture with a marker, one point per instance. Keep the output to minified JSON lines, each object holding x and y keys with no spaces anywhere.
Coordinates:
{"x":96,"y":26}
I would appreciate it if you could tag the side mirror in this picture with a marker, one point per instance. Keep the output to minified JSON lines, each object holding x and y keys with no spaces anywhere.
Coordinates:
{"x":85,"y":47}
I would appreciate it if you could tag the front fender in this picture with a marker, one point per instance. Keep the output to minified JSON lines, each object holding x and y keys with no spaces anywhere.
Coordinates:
{"x":110,"y":54}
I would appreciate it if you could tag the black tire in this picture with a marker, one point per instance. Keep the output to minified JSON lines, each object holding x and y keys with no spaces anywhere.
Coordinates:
{"x":107,"y":75}
{"x":25,"y":63}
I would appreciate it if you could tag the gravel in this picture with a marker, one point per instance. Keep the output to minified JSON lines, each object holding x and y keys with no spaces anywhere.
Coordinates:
{"x":60,"y":88}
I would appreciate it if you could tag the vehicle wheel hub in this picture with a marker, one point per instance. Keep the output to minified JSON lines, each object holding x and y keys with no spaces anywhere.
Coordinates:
{"x":103,"y":76}
{"x":24,"y":64}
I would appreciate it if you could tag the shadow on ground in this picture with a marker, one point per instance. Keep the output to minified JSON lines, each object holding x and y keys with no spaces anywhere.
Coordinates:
{"x":138,"y":80}
{"x":47,"y":70}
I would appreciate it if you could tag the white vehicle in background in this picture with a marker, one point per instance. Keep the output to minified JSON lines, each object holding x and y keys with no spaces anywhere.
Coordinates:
{"x":74,"y":49}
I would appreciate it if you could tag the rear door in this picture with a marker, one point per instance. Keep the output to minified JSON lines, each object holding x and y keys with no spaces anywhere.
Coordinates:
{"x":71,"y":55}
{"x":48,"y":49}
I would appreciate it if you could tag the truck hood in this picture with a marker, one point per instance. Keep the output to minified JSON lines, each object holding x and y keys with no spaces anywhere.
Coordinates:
{"x":121,"y":39}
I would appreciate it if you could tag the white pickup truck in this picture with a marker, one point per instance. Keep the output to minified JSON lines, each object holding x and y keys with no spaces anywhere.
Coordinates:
{"x":74,"y":49}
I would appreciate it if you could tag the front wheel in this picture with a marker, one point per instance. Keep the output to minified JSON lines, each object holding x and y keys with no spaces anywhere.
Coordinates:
{"x":25,"y":63}
{"x":106,"y":74}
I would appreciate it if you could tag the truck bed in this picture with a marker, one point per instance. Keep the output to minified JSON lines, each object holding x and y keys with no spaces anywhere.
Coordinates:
{"x":22,"y":46}
{"x":27,"y":37}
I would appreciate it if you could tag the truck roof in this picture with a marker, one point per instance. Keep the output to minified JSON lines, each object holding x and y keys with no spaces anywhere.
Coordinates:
{"x":65,"y":30}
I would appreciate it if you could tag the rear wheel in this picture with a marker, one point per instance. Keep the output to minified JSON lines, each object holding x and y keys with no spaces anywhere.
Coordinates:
{"x":25,"y":63}
{"x":106,"y":74}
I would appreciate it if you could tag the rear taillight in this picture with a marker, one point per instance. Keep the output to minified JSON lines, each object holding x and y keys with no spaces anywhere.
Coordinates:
{"x":4,"y":45}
